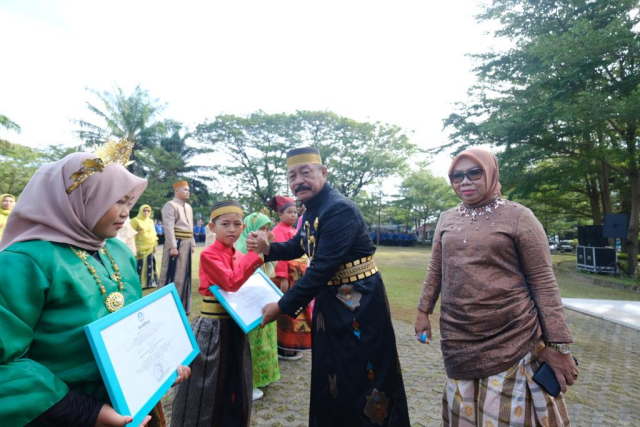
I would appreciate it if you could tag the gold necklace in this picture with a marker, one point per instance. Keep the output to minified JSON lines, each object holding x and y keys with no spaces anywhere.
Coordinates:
{"x":115,"y":300}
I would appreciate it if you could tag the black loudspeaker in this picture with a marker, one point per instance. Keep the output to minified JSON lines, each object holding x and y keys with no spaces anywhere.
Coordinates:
{"x":597,"y":260}
{"x":605,"y":257}
{"x":591,"y":235}
{"x":615,"y":225}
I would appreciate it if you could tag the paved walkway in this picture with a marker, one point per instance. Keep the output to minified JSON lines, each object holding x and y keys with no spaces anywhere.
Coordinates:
{"x":626,"y":313}
{"x":607,"y":393}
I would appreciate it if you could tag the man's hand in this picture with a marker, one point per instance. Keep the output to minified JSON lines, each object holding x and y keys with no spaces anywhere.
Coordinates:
{"x":270,"y":312}
{"x":258,"y":241}
{"x":173,"y":252}
{"x":423,"y":326}
{"x":563,"y":366}
{"x":284,"y":285}
{"x":108,"y":417}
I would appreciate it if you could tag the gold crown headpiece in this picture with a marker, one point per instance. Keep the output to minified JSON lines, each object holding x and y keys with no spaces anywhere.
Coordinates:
{"x":264,"y":211}
{"x":108,"y":153}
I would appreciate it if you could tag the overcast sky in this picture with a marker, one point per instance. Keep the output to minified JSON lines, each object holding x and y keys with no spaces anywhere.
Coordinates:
{"x":399,"y":62}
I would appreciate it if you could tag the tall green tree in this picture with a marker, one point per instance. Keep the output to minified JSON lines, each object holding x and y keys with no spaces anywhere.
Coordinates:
{"x":424,"y":196}
{"x":18,"y":163}
{"x":248,"y":152}
{"x":251,"y":150}
{"x":568,"y":89}
{"x":170,"y":161}
{"x":134,"y":117}
{"x":8,"y":124}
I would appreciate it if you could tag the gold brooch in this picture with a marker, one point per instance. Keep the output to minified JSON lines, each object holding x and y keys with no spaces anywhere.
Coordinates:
{"x":110,"y":152}
{"x":316,"y":223}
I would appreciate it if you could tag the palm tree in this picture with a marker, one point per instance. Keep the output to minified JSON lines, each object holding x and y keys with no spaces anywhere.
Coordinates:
{"x":132,"y":117}
{"x":7,"y":123}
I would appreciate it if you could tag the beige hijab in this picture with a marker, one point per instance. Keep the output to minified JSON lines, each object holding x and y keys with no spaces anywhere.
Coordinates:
{"x":46,"y":212}
{"x":491,"y":176}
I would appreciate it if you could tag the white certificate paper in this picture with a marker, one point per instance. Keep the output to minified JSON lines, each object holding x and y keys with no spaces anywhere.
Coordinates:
{"x":245,"y":305}
{"x":139,"y":348}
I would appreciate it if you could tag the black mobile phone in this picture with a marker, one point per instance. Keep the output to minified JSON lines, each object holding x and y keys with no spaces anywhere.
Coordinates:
{"x":546,"y":379}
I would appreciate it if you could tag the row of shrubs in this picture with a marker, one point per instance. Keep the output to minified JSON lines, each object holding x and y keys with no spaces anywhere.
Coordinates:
{"x":623,"y":256}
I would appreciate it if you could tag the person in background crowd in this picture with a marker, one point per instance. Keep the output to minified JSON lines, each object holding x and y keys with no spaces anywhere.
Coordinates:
{"x":127,"y":235}
{"x":8,"y":201}
{"x":200,"y":235}
{"x":159,"y":231}
{"x":146,"y":242}
{"x":210,"y":236}
{"x":294,"y":333}
{"x":262,"y":341}
{"x":179,"y":245}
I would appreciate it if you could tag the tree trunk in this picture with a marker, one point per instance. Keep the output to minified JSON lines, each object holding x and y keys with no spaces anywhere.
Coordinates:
{"x":594,"y":200}
{"x":634,"y":217}
{"x":605,"y":189}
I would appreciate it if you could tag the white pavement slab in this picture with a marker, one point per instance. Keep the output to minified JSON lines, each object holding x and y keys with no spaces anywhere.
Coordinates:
{"x":626,"y":313}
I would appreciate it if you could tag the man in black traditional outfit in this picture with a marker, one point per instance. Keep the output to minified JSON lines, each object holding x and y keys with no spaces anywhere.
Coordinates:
{"x":356,"y":378}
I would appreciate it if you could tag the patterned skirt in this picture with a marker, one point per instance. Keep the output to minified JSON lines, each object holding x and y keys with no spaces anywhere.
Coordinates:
{"x":264,"y":355}
{"x":510,"y":398}
{"x":295,"y":333}
{"x":148,"y":271}
{"x":218,"y":392}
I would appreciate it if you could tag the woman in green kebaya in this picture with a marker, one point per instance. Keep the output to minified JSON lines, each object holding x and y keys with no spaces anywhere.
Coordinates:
{"x":61,"y":270}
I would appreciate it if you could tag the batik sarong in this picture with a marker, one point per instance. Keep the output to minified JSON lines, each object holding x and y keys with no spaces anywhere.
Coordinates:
{"x":295,"y":333}
{"x":264,"y":355}
{"x":510,"y":398}
{"x":178,"y":270}
{"x":148,"y":271}
{"x":218,"y":392}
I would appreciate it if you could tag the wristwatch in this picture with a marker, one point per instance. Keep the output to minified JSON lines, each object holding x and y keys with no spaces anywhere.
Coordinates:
{"x":560,"y":347}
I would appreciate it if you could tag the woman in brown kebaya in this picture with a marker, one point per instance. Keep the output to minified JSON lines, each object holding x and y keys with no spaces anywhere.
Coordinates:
{"x":501,"y":312}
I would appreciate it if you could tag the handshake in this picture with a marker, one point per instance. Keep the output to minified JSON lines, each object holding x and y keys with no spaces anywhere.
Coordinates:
{"x":258,"y":241}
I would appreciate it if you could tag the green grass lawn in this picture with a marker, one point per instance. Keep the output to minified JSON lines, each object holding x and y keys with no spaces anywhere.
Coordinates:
{"x":404,"y":269}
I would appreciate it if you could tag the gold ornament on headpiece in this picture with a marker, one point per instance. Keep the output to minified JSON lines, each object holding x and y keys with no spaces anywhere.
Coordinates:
{"x":110,"y":152}
{"x":266,"y":211}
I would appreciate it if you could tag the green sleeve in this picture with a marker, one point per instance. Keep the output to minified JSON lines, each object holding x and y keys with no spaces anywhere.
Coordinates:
{"x":28,"y":388}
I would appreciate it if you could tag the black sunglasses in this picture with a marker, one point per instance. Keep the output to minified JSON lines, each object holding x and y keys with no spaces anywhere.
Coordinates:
{"x":473,"y":175}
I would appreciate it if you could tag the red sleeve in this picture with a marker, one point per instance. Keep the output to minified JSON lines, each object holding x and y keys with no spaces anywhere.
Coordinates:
{"x":215,"y":271}
{"x":282,"y":268}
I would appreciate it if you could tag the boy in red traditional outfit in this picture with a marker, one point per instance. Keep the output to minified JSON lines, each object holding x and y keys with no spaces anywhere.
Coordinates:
{"x":294,"y":334}
{"x":220,"y":393}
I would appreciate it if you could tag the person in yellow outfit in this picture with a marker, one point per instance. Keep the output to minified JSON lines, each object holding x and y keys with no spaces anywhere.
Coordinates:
{"x":146,"y":242}
{"x":7,"y":204}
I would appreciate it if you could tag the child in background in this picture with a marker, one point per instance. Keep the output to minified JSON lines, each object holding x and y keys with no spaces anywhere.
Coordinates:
{"x":262,"y":341}
{"x":221,"y":389}
{"x":294,"y":334}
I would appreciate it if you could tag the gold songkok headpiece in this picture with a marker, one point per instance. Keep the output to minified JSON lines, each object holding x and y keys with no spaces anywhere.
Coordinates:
{"x":228,"y":206}
{"x":180,"y":184}
{"x":302,"y":156}
{"x":106,"y":154}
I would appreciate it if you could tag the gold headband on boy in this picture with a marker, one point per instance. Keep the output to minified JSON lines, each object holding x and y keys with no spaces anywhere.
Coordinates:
{"x":225,"y":210}
{"x":180,"y":184}
{"x":302,"y":156}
